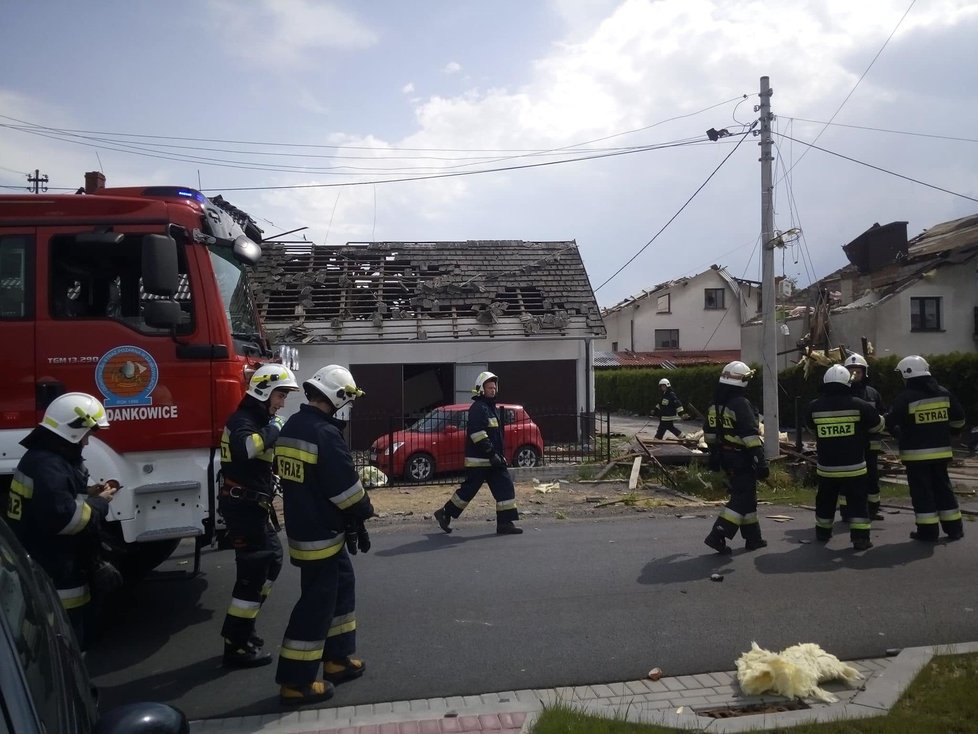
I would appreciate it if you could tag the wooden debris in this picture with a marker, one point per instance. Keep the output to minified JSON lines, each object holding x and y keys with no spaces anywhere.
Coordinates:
{"x":636,"y":473}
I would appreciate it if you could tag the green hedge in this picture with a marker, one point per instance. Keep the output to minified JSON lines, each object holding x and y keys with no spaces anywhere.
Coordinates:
{"x":637,"y":390}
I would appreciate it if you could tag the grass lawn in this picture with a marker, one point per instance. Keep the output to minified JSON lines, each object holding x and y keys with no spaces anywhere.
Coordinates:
{"x":941,"y":700}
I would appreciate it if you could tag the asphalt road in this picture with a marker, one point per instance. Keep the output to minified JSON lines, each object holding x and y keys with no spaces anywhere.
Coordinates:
{"x":566,"y":603}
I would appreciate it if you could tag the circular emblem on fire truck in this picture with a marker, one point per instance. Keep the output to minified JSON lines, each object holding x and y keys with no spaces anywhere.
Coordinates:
{"x":127,"y":375}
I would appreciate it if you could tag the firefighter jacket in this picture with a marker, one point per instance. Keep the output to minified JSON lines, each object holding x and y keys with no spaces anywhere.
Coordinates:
{"x":321,"y":489}
{"x":669,"y":407}
{"x":485,"y":433}
{"x":51,"y":513}
{"x":841,"y":422}
{"x":922,"y":417}
{"x":872,"y":396}
{"x":731,"y":429}
{"x":247,"y":447}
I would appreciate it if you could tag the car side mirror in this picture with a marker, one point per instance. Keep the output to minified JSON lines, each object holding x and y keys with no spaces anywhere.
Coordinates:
{"x":451,"y":428}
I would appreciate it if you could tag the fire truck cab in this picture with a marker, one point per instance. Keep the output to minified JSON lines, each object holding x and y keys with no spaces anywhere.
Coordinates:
{"x":138,"y":296}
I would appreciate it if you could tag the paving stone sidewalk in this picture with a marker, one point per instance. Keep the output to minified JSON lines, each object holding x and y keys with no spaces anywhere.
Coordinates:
{"x":671,"y":701}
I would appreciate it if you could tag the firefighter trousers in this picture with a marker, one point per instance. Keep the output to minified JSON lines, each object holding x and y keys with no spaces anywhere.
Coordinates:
{"x":500,"y":484}
{"x":323,"y":624}
{"x":934,"y":504}
{"x":872,"y":488}
{"x":667,"y":427}
{"x":740,"y":512}
{"x":857,"y":508}
{"x":258,"y":559}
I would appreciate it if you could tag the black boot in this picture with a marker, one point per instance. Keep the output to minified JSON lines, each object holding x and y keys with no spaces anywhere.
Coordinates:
{"x":507,"y":528}
{"x":245,"y":656}
{"x":755,"y":544}
{"x":718,"y":542}
{"x":443,"y":520}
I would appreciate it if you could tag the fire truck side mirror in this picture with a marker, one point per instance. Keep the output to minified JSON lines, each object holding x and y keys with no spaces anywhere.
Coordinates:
{"x":160,"y":274}
{"x":246,"y":250}
{"x":162,"y":314}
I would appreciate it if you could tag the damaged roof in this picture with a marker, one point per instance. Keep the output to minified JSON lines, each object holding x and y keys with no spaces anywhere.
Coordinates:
{"x":665,"y":358}
{"x":735,"y":285}
{"x":410,"y":291}
{"x":948,"y":243}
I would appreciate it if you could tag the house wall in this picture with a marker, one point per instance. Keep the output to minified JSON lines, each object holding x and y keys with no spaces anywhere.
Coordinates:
{"x":378,"y":369}
{"x":886,"y":324}
{"x":699,"y":328}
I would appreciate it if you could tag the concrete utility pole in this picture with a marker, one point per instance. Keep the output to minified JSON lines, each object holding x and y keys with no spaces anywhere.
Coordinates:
{"x":769,"y":347}
{"x":37,"y":181}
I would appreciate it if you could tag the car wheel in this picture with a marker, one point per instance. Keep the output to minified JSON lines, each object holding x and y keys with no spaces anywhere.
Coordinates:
{"x":526,"y":456}
{"x":419,"y":468}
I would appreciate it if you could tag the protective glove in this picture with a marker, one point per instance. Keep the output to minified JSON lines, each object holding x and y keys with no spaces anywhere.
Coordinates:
{"x":363,"y":538}
{"x":277,"y":421}
{"x":351,"y":539}
{"x":497,"y":461}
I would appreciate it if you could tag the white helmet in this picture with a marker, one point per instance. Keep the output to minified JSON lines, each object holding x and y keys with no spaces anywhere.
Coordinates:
{"x":856,"y":360}
{"x":73,"y":415}
{"x":665,"y":382}
{"x":335,"y":383}
{"x":736,"y":373}
{"x":270,"y":377}
{"x":481,"y":380}
{"x":837,"y":374}
{"x":913,"y":366}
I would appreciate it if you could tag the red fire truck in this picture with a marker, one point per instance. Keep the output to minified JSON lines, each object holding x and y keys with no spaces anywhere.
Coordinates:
{"x":138,"y":296}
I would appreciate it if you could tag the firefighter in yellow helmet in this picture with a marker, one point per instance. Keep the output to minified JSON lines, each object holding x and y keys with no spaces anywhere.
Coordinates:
{"x":922,"y":417}
{"x":51,"y":507}
{"x":325,"y":509}
{"x":245,"y":502}
{"x":484,"y":462}
{"x":733,"y":438}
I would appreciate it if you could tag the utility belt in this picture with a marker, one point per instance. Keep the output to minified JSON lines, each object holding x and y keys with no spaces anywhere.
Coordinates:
{"x":237,"y":491}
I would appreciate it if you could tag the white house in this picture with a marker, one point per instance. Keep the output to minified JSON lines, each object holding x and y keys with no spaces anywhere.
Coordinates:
{"x":701,"y":313}
{"x":903,"y":297}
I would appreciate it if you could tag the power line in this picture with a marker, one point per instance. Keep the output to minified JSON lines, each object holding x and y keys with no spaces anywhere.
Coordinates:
{"x":878,"y":168}
{"x":883,"y":130}
{"x":673,"y":217}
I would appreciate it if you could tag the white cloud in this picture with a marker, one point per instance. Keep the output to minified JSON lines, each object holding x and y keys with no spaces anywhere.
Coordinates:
{"x":452,"y":67}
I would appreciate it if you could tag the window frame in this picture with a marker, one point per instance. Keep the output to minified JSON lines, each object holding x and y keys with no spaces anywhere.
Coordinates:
{"x":656,"y":340}
{"x":918,"y":313}
{"x":659,"y":303}
{"x":720,"y":302}
{"x":27,"y":254}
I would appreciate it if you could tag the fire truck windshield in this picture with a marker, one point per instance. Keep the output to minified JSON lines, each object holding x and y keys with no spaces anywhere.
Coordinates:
{"x":232,"y":282}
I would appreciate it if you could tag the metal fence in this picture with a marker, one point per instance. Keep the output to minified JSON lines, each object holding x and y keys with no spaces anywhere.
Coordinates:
{"x":430,"y":448}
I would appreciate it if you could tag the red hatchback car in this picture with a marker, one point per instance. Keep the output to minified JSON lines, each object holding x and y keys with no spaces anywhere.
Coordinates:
{"x":436,"y":443}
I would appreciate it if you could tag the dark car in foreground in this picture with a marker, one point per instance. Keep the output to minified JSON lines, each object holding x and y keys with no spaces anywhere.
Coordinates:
{"x":44,"y":686}
{"x":436,"y":443}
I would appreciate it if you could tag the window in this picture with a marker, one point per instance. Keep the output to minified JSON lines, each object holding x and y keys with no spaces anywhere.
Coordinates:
{"x":714,"y":299}
{"x":16,"y":280}
{"x":925,"y":314}
{"x":614,"y":345}
{"x":667,"y":338}
{"x":662,"y":304}
{"x":99,"y":280}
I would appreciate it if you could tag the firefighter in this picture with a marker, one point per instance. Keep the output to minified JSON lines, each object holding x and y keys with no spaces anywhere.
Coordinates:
{"x":52,"y":509}
{"x":922,"y":417}
{"x":245,"y":502}
{"x":485,"y":462}
{"x":669,"y":409}
{"x":842,"y":424}
{"x":325,"y":510}
{"x":732,"y":435}
{"x":860,"y":387}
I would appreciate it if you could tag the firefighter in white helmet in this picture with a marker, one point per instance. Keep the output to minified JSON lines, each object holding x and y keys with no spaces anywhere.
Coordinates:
{"x":325,"y":508}
{"x":842,"y":424}
{"x":53,"y":510}
{"x":669,"y":409}
{"x":733,"y":437}
{"x":922,"y":418}
{"x":247,"y":487}
{"x":485,"y":462}
{"x":860,"y":387}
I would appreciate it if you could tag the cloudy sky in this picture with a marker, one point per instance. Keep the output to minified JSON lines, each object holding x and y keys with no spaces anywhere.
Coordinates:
{"x":549,"y":120}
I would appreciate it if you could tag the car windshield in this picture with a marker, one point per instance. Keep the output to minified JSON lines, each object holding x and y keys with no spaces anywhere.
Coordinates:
{"x":434,"y":422}
{"x":232,"y":282}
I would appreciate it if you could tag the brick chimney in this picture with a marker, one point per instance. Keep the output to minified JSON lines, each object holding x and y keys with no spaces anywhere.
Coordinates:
{"x":94,"y":180}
